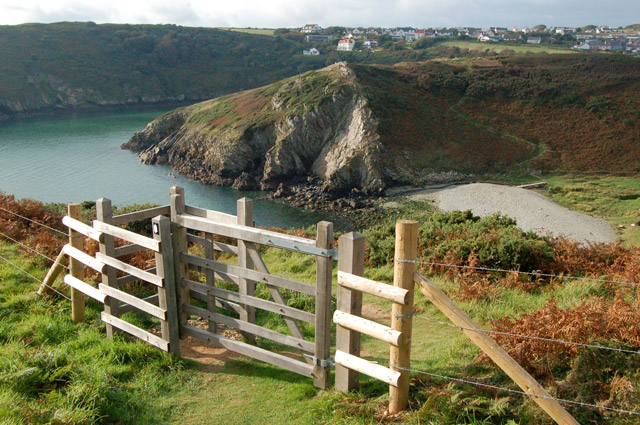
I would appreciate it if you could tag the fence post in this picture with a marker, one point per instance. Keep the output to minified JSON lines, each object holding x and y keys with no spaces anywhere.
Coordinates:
{"x":104,"y":213}
{"x":180,"y":245}
{"x":167,"y":293}
{"x":246,"y":287}
{"x":350,"y":260}
{"x":75,"y":266}
{"x":209,"y":253}
{"x":324,"y":271}
{"x":401,"y":320}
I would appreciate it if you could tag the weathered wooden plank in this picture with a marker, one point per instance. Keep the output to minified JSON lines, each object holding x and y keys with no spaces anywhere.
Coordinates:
{"x":62,"y":260}
{"x":250,"y":351}
{"x":324,"y":273}
{"x":350,"y":260}
{"x":494,"y":351}
{"x":180,"y":244}
{"x":256,"y":330}
{"x":245,"y":286}
{"x":210,"y":279}
{"x":126,"y":308}
{"x":167,"y":295}
{"x":129,"y":269}
{"x":251,"y":234}
{"x":379,"y":289}
{"x":367,"y":327}
{"x":126,"y":235}
{"x":253,"y":275}
{"x":373,"y":370}
{"x":75,"y":268}
{"x":212,"y":215}
{"x":85,"y":288}
{"x":104,"y":213}
{"x":129,"y":278}
{"x":119,"y":220}
{"x":135,"y":331}
{"x":121,"y":251}
{"x":252,"y":301}
{"x":136,"y":302}
{"x":275,"y":292}
{"x":82,"y":228}
{"x":85,"y":259}
{"x":227,"y":305}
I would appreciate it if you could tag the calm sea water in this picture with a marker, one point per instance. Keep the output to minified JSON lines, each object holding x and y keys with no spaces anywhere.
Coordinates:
{"x":73,"y":158}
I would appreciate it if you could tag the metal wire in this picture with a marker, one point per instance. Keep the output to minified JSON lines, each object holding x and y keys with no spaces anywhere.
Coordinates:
{"x":36,"y":279}
{"x":519,"y":336}
{"x":465,"y":381}
{"x":31,"y":249}
{"x":487,"y":269}
{"x":33,"y":221}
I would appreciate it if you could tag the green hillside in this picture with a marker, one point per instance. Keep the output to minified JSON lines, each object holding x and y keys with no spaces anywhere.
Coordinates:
{"x":374,"y":126}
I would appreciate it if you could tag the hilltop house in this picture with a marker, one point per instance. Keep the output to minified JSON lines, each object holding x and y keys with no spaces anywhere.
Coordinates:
{"x":534,"y":40}
{"x":311,"y":52}
{"x":311,"y":28}
{"x":346,"y":44}
{"x":370,"y":44}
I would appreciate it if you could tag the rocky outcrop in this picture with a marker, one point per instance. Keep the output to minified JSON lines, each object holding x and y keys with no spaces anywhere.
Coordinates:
{"x":331,"y":137}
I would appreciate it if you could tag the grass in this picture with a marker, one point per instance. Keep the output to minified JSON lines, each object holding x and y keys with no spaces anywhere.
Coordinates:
{"x":52,"y":371}
{"x":255,"y":31}
{"x":613,"y":198}
{"x":500,"y":47}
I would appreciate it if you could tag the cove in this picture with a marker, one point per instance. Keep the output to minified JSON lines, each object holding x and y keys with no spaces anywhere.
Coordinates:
{"x":77,"y":157}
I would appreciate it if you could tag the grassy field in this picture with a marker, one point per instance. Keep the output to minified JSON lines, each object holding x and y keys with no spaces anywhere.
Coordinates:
{"x":499,"y":47}
{"x":256,"y":31}
{"x":52,"y":371}
{"x":614,"y":198}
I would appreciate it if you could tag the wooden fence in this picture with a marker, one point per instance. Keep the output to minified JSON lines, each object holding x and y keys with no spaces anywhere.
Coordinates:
{"x":180,"y":277}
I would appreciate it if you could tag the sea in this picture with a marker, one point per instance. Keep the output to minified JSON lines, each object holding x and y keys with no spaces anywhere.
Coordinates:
{"x":76,"y":157}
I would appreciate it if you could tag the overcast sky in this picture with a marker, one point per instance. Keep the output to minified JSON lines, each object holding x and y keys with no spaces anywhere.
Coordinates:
{"x":295,"y":13}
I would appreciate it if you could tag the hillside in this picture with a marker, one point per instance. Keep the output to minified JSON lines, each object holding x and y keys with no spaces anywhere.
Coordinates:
{"x":370,"y":127}
{"x":80,"y":65}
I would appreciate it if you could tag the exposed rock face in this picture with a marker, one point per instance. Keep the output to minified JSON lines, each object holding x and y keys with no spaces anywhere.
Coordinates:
{"x":334,"y":139}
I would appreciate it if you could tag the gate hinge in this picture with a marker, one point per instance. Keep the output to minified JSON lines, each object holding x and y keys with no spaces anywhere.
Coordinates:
{"x":322,"y":362}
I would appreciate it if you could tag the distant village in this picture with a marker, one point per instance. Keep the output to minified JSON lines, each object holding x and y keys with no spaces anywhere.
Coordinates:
{"x":588,"y":38}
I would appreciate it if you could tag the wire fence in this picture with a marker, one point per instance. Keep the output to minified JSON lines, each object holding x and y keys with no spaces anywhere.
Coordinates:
{"x":497,"y":388}
{"x":35,"y":278}
{"x":536,"y":338}
{"x":31,"y":249}
{"x":35,"y":222}
{"x":535,"y":274}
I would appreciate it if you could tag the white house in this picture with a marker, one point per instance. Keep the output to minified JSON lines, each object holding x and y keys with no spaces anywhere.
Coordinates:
{"x":534,"y":40}
{"x":370,"y":44}
{"x":313,"y":52}
{"x":346,"y":44}
{"x":311,"y":28}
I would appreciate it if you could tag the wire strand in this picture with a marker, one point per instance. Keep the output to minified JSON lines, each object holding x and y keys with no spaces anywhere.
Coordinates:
{"x":33,"y":221}
{"x":537,"y":338}
{"x":488,"y":269}
{"x":479,"y":384}
{"x":31,"y":249}
{"x":36,"y":279}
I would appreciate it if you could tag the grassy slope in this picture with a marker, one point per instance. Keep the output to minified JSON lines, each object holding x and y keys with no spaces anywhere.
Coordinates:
{"x":514,"y":115}
{"x":501,"y":47}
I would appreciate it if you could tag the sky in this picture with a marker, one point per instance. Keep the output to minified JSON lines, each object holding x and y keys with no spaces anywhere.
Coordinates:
{"x":295,"y":13}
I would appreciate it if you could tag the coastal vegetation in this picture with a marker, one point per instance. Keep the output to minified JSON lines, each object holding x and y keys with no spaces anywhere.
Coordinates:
{"x":56,"y":372}
{"x":370,"y":127}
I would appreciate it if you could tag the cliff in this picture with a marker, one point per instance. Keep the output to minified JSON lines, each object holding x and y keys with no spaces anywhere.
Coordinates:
{"x":364,"y":128}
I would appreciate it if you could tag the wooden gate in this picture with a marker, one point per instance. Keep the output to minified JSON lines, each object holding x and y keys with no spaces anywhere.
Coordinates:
{"x":105,"y":230}
{"x":192,"y":225}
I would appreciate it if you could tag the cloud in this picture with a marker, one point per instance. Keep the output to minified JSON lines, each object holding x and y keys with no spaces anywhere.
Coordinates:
{"x":295,"y":13}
